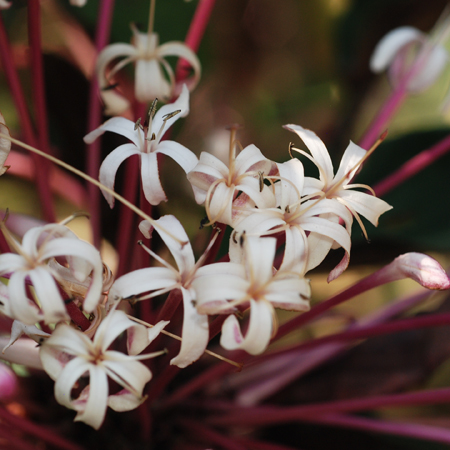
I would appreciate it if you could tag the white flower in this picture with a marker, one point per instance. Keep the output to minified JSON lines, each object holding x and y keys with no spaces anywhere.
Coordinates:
{"x":5,"y":5}
{"x":337,"y":186}
{"x":217,"y":185}
{"x":18,"y":329}
{"x":257,"y":286}
{"x":401,"y":49}
{"x":151,"y":69}
{"x":5,"y":144}
{"x":159,"y":280}
{"x":69,"y":354}
{"x":40,"y":245}
{"x":145,"y":142}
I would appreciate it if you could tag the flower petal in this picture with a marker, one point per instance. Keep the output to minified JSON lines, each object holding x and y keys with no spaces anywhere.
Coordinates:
{"x":259,"y":330}
{"x":119,"y":125}
{"x":5,"y":144}
{"x":150,"y":82}
{"x":151,"y":184}
{"x":179,"y":153}
{"x":195,"y":333}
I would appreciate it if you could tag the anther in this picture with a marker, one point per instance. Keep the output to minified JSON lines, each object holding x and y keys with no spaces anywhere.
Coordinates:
{"x":287,"y":210}
{"x":110,"y":87}
{"x":261,"y":180}
{"x":138,"y":124}
{"x":172,"y":114}
{"x":203,"y":222}
{"x":242,"y":239}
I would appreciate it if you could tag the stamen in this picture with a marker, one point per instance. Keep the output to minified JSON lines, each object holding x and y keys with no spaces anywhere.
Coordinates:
{"x":302,"y":152}
{"x":157,"y":257}
{"x":178,"y":338}
{"x":138,"y":124}
{"x":110,"y":87}
{"x":261,"y":180}
{"x":151,"y":113}
{"x":75,"y":215}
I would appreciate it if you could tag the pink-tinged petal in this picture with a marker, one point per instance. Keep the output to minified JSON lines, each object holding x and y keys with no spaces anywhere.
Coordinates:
{"x":69,"y":376}
{"x":150,"y":82}
{"x":364,"y":204}
{"x":183,"y":254}
{"x":143,"y":280}
{"x":220,"y":206}
{"x":78,"y":3}
{"x":195,"y":333}
{"x":292,"y":293}
{"x":339,"y":269}
{"x":5,"y":144}
{"x":22,"y":308}
{"x":317,"y":149}
{"x":212,"y":166}
{"x":433,"y":67}
{"x":251,"y":159}
{"x":421,"y":268}
{"x":259,"y":330}
{"x":124,"y":401}
{"x":48,"y":294}
{"x":289,"y":189}
{"x":53,"y":360}
{"x":4,"y":4}
{"x":199,"y":194}
{"x":24,"y":352}
{"x":262,"y":198}
{"x":110,"y":165}
{"x":259,"y":255}
{"x":127,"y":372}
{"x":151,"y":183}
{"x":115,"y":323}
{"x":140,"y":337}
{"x":388,"y":47}
{"x":118,"y":125}
{"x":95,"y":409}
{"x":181,"y":104}
{"x":179,"y":153}
{"x":350,"y":162}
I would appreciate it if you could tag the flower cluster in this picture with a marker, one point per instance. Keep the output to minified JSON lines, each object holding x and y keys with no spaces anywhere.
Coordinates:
{"x":57,"y":290}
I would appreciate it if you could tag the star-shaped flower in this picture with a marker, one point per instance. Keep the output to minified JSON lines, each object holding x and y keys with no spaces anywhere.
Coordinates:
{"x":41,"y":245}
{"x":258,"y":286}
{"x":152,"y":69}
{"x":217,"y":185}
{"x":68,"y":354}
{"x":146,"y":141}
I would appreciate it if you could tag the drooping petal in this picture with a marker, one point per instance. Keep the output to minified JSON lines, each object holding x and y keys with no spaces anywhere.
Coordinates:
{"x":69,"y":340}
{"x":350,"y":162}
{"x":18,"y":329}
{"x":296,"y":250}
{"x":290,"y":188}
{"x":124,"y":401}
{"x":259,"y":330}
{"x":140,"y":337}
{"x":251,"y":159}
{"x":151,"y":184}
{"x":292,"y":293}
{"x":179,"y":153}
{"x":110,"y":165}
{"x":195,"y":333}
{"x":22,"y":308}
{"x":95,"y":409}
{"x":317,"y":149}
{"x":388,"y":47}
{"x":259,"y":255}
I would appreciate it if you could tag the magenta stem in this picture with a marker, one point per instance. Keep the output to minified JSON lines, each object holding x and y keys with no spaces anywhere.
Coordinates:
{"x":38,"y":431}
{"x":11,"y":441}
{"x":254,"y":444}
{"x":410,"y":430}
{"x":265,"y":415}
{"x":105,"y":13}
{"x":413,"y":166}
{"x":12,"y":78}
{"x":195,"y":34}
{"x":207,"y":435}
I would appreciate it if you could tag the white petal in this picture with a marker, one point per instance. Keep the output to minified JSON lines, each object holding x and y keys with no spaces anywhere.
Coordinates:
{"x":139,"y":337}
{"x":290,"y":188}
{"x":124,"y":401}
{"x":259,"y":255}
{"x":22,"y":308}
{"x":108,"y":169}
{"x":95,"y":409}
{"x":259,"y":330}
{"x":18,"y":329}
{"x":182,"y":253}
{"x":195,"y":333}
{"x":317,"y":149}
{"x":181,"y":104}
{"x":179,"y":153}
{"x":10,"y":262}
{"x":151,"y":183}
{"x":150,"y":82}
{"x":350,"y":162}
{"x":292,"y":293}
{"x":118,"y":125}
{"x":115,"y":323}
{"x":296,"y":251}
{"x":69,"y":340}
{"x":251,"y":159}
{"x":387,"y":48}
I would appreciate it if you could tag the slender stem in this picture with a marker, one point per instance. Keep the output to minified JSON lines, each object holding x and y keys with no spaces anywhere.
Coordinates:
{"x":10,"y":440}
{"x":413,"y":166}
{"x":410,"y":430}
{"x":151,"y":17}
{"x":105,"y":12}
{"x":195,"y":34}
{"x":12,"y":77}
{"x":265,"y":415}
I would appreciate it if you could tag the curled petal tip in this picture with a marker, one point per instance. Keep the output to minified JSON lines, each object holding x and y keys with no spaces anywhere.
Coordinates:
{"x":423,"y":269}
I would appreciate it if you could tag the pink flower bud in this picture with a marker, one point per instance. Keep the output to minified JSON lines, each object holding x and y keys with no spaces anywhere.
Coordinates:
{"x":8,"y":382}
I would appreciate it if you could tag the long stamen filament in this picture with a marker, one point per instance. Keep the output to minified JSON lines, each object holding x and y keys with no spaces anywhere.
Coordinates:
{"x":178,"y":338}
{"x":93,"y":181}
